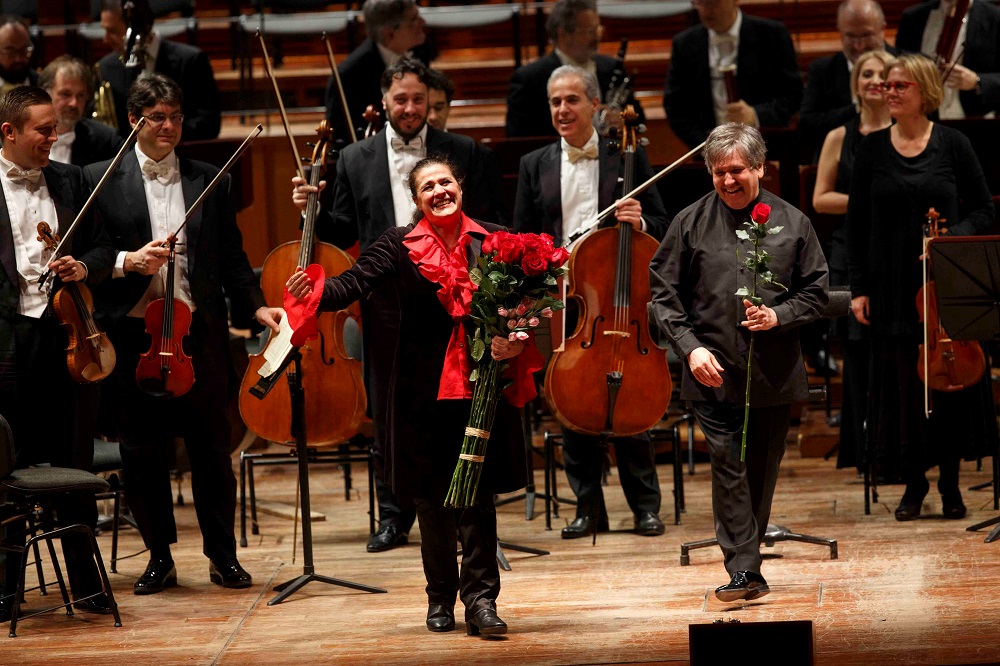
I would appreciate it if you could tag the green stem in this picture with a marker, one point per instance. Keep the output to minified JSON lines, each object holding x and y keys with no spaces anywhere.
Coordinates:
{"x":746,"y":406}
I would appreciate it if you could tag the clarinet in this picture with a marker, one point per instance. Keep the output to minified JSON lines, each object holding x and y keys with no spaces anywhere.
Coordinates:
{"x":618,"y":89}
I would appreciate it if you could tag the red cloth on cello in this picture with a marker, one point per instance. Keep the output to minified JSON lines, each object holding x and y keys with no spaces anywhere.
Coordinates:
{"x":301,"y":313}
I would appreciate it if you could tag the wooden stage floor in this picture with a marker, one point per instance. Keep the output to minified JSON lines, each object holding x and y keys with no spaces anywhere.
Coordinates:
{"x":924,"y":592}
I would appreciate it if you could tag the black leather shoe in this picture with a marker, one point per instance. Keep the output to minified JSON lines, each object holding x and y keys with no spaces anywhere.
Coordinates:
{"x":387,"y":538}
{"x":648,"y":523}
{"x":6,"y":609}
{"x":745,"y":585}
{"x":913,"y":497}
{"x":485,"y":623}
{"x":230,"y":575}
{"x":158,"y":575}
{"x":99,"y":604}
{"x":953,"y":507}
{"x":440,"y":617}
{"x":581,"y":527}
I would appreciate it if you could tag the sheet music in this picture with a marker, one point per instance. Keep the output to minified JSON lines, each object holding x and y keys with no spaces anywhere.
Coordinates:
{"x":277,"y":348}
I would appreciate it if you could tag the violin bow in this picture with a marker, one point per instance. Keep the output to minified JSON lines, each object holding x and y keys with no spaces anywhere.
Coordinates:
{"x":575,"y":236}
{"x":281,"y":107}
{"x":340,"y":88}
{"x":44,"y":278}
{"x":215,"y":181}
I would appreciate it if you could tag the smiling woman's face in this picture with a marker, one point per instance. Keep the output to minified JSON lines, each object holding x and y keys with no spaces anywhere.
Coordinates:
{"x":438,"y":194}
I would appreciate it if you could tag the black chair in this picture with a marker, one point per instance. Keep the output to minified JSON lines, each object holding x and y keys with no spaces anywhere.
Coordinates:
{"x":24,"y":489}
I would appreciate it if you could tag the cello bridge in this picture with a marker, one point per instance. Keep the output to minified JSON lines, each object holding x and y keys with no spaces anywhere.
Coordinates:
{"x":621,"y":334}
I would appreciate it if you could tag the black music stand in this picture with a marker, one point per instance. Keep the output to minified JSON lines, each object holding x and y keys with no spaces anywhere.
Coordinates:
{"x":298,"y":428}
{"x":967,"y":282}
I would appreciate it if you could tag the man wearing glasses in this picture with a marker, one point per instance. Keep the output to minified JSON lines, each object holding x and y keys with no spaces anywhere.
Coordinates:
{"x":141,"y":205}
{"x":769,"y":86}
{"x":574,"y":29}
{"x":15,"y":55}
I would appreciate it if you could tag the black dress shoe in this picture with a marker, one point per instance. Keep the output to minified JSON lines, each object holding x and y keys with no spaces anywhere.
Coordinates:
{"x":440,"y":617}
{"x":99,"y":604}
{"x":648,"y":523}
{"x":158,"y":575}
{"x":230,"y":575}
{"x":581,"y":527}
{"x":913,"y":497}
{"x":745,"y":585}
{"x":387,"y":538}
{"x":953,"y":507}
{"x":485,"y":622}
{"x":6,"y":609}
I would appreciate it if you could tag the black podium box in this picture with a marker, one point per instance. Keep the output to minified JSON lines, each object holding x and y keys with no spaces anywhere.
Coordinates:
{"x":787,"y":643}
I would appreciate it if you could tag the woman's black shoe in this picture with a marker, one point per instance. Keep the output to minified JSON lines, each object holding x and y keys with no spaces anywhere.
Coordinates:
{"x":485,"y":622}
{"x":952,"y":507}
{"x":440,"y":617}
{"x":913,"y":498}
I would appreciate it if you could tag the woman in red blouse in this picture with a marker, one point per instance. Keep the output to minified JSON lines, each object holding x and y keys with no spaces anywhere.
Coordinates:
{"x":418,"y":278}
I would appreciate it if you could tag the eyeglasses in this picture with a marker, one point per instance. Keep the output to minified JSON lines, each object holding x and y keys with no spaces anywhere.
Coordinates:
{"x":157,"y":119}
{"x":10,"y":52}
{"x":899,"y":86}
{"x":862,"y":37}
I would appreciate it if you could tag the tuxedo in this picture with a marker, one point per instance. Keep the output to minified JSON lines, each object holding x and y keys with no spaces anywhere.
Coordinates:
{"x":982,"y":49}
{"x":94,"y":142}
{"x":528,"y":99}
{"x":538,"y":209}
{"x":767,"y":75}
{"x":190,"y":69}
{"x":51,"y":417}
{"x":217,"y":269}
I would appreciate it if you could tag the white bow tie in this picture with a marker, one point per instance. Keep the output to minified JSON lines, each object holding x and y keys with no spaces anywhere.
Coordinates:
{"x":161,"y":171}
{"x":28,"y":177}
{"x":416,"y":143}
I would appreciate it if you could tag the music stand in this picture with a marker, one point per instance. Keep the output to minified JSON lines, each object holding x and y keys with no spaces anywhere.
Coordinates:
{"x":298,"y":428}
{"x":967,"y":282}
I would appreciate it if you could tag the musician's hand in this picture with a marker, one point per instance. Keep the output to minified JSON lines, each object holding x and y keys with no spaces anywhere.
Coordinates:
{"x":629,"y":210}
{"x":759,"y":317}
{"x":68,"y":269}
{"x":501,"y":348}
{"x":961,"y":78}
{"x":269,"y":317}
{"x":741,"y":112}
{"x":705,"y":367}
{"x":301,"y":190}
{"x":148,"y":258}
{"x":859,"y":306}
{"x":299,"y":284}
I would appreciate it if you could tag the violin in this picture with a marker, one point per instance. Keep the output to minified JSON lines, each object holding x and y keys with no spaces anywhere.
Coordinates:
{"x":944,"y":364}
{"x":729,"y":79}
{"x":944,"y":53}
{"x":374,"y":119}
{"x":340,"y":88}
{"x":90,"y":356}
{"x":165,"y":371}
{"x":609,"y":378}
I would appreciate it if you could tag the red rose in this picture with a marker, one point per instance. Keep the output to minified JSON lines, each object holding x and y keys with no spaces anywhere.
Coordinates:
{"x":509,"y":247}
{"x":534,"y":263}
{"x":537,"y":250}
{"x":761,"y":213}
{"x":488,"y":244}
{"x":559,"y":256}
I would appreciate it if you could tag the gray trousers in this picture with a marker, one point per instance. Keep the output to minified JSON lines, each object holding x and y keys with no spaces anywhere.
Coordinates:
{"x":742,"y":491}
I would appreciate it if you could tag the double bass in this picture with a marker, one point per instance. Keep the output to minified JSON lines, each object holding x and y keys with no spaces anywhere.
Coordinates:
{"x":610,"y":378}
{"x":943,"y":364}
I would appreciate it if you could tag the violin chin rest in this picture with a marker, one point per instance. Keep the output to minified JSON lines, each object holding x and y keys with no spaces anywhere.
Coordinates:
{"x":155,"y":388}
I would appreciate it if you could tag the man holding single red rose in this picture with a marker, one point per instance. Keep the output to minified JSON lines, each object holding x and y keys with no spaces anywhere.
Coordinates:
{"x":694,"y":279}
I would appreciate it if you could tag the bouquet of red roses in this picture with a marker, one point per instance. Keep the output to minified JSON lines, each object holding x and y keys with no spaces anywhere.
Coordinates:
{"x":756,"y":262}
{"x":515,"y":282}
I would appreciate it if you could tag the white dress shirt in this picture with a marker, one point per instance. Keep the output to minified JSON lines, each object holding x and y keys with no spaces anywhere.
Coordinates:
{"x":402,"y":158}
{"x":390,"y":57}
{"x":165,"y":202}
{"x":589,"y":66}
{"x":28,"y":204}
{"x":152,"y":51}
{"x":62,"y":149}
{"x":723,"y":48}
{"x":579,"y":187}
{"x":951,"y":105}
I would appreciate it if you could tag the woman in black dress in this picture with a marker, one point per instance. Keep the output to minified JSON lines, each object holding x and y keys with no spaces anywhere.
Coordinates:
{"x":833,"y":181}
{"x":900,"y":173}
{"x":421,"y":272}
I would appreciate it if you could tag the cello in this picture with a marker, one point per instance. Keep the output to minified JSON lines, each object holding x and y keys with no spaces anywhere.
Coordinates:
{"x":611,"y":345}
{"x":944,"y":364}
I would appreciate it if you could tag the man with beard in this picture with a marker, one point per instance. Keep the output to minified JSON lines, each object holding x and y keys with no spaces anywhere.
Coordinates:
{"x":370,"y":195}
{"x":80,"y":141}
{"x":15,"y":54}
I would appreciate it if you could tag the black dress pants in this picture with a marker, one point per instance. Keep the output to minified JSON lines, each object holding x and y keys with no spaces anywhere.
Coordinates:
{"x":478,"y":582}
{"x":742,"y":491}
{"x":584,"y":461}
{"x":147,"y":427}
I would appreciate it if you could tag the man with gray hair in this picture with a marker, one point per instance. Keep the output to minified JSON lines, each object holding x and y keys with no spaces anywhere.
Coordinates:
{"x":694,"y":278}
{"x":574,"y":29}
{"x":394,"y":29}
{"x":79,"y":140}
{"x":559,"y":188}
{"x":828,"y":101}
